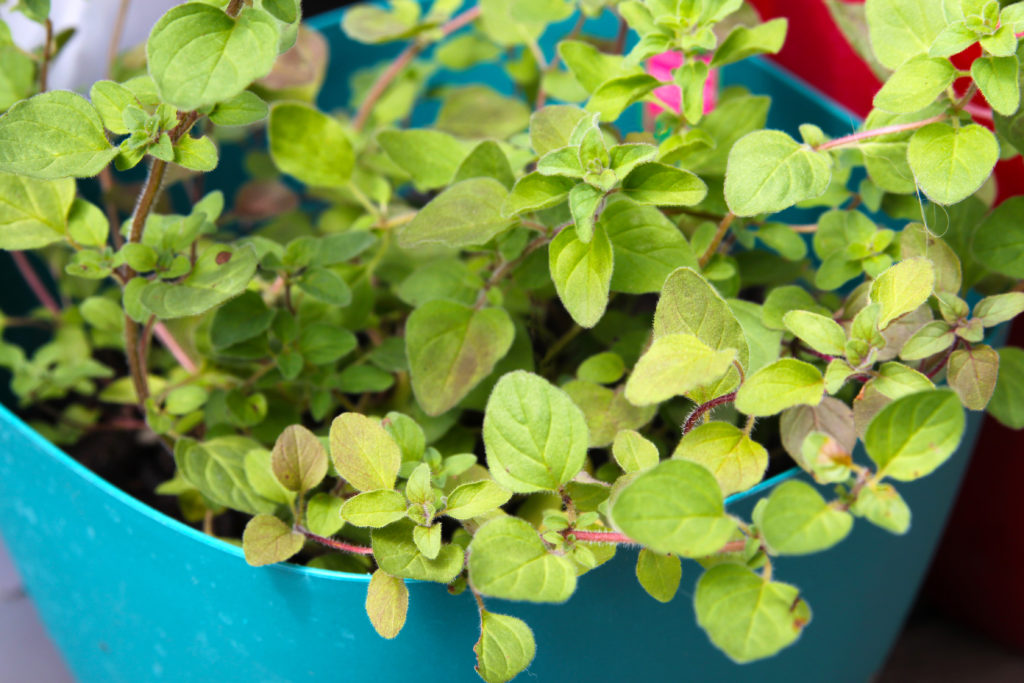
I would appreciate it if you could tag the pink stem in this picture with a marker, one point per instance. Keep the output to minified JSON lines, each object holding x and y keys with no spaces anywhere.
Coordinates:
{"x":40,"y":291}
{"x":172,"y":345}
{"x":403,"y":60}
{"x":331,"y":543}
{"x":878,"y":132}
{"x":691,"y":421}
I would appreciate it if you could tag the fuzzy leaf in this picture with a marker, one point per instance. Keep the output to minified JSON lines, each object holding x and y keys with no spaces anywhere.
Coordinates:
{"x":310,"y":145}
{"x":268,"y":540}
{"x":737,"y":461}
{"x":915,"y":434}
{"x":769,"y":171}
{"x":633,"y":452}
{"x":387,"y":602}
{"x":659,"y":574}
{"x":663,"y":185}
{"x":783,"y":384}
{"x":398,"y":555}
{"x":374,"y":508}
{"x":452,"y":347}
{"x":505,"y":648}
{"x":902,"y":289}
{"x":467,"y":213}
{"x":220,"y":274}
{"x":33,"y":213}
{"x":675,"y":507}
{"x":972,"y":373}
{"x":476,"y":498}
{"x":508,"y":559}
{"x":364,"y":454}
{"x":299,"y":459}
{"x":797,"y":521}
{"x":582,"y":274}
{"x":950,"y":164}
{"x":675,"y":365}
{"x":535,"y":436}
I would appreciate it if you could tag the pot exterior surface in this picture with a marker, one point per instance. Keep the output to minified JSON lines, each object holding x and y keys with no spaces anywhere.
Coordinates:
{"x":130,"y":595}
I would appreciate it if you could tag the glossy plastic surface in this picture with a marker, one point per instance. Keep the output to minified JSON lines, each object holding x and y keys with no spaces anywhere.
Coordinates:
{"x":130,"y":595}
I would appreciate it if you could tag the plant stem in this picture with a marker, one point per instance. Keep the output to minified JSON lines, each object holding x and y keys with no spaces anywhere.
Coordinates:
{"x":332,"y":543}
{"x":396,"y":67}
{"x":115,"y":36}
{"x":621,"y":539}
{"x":942,"y":363}
{"x":723,"y":228}
{"x":703,"y":408}
{"x":234,"y":8}
{"x":878,"y":132}
{"x":44,"y":67}
{"x":560,"y":344}
{"x":174,"y":347}
{"x":39,"y":289}
{"x":620,"y":39}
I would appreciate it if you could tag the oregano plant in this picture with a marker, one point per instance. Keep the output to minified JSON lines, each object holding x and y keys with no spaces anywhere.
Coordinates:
{"x":563,"y":318}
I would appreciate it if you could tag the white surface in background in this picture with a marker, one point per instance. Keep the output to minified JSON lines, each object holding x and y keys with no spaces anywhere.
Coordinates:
{"x":84,"y":59}
{"x":26,"y":653}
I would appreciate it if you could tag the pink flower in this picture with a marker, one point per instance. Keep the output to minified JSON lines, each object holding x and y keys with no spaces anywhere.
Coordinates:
{"x":661,"y":67}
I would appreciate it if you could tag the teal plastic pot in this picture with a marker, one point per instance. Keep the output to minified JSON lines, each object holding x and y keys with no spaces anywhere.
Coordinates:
{"x":130,"y":595}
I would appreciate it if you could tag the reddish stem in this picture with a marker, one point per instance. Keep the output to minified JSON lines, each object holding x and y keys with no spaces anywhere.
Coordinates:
{"x":878,"y":132}
{"x":407,"y":55}
{"x":171,"y":344}
{"x":333,"y":544}
{"x":40,"y":291}
{"x":942,"y":363}
{"x":696,"y":415}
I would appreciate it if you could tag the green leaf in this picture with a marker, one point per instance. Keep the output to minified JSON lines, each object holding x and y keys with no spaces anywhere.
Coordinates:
{"x":822,"y":334}
{"x":369,"y":23}
{"x":478,"y":111}
{"x":787,"y":298}
{"x":663,"y":185}
{"x":486,"y":160}
{"x":737,"y":461}
{"x":53,"y":135}
{"x":783,"y":239}
{"x":220,"y":274}
{"x":467,"y":213}
{"x":268,"y":540}
{"x":633,"y":452}
{"x":902,"y":289}
{"x":476,"y":498}
{"x":765,"y":344}
{"x":87,"y":224}
{"x":934,"y":337}
{"x":260,"y":475}
{"x":743,"y":42}
{"x":950,"y":164}
{"x":917,"y":240}
{"x":901,"y":29}
{"x":195,"y":154}
{"x":299,"y":460}
{"x":111,"y":100}
{"x":675,"y":507}
{"x":217,"y":468}
{"x":998,"y":78}
{"x":364,"y":454}
{"x":309,"y":145}
{"x":430,"y":157}
{"x":1007,"y":404}
{"x":797,"y":521}
{"x":535,"y":436}
{"x":397,"y":554}
{"x":883,"y":506}
{"x":999,"y":240}
{"x":769,"y":171}
{"x":746,"y":616}
{"x":244,"y":109}
{"x":374,"y":508}
{"x":552,"y":126}
{"x":603,"y":368}
{"x":998,"y":308}
{"x":33,"y":213}
{"x":584,"y":201}
{"x":613,"y":96}
{"x":606,"y":411}
{"x":199,"y":56}
{"x":508,"y":559}
{"x":783,"y":384}
{"x":659,"y":574}
{"x":915,"y":434}
{"x":387,"y":602}
{"x":323,"y":514}
{"x":588,"y":65}
{"x":287,"y":11}
{"x":452,"y":347}
{"x":239,"y":320}
{"x":690,"y":305}
{"x":915,"y":85}
{"x":506,"y":647}
{"x":675,"y":365}
{"x":972,"y":373}
{"x":534,"y":192}
{"x":582,"y":274}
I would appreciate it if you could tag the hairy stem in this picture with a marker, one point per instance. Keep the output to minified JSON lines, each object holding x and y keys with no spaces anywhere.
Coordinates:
{"x":332,"y":543}
{"x":703,"y":408}
{"x":396,"y":67}
{"x":234,"y":7}
{"x":878,"y":132}
{"x":723,"y":228}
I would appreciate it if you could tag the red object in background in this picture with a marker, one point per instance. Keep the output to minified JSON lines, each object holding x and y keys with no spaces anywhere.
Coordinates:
{"x":816,"y":51}
{"x":977,"y":574}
